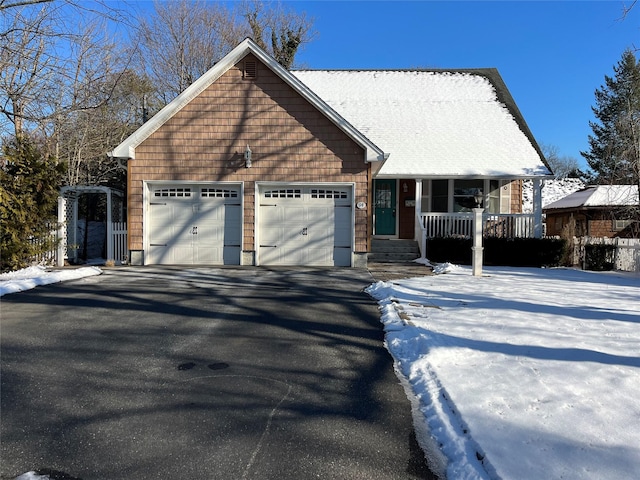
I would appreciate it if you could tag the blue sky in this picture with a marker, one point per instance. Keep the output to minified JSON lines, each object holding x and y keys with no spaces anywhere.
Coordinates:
{"x":551,"y":54}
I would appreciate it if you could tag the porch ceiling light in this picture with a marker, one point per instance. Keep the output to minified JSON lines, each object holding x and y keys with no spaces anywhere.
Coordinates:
{"x":247,"y":157}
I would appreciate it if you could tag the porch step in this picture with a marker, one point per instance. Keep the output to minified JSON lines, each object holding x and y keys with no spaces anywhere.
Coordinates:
{"x":393,"y":251}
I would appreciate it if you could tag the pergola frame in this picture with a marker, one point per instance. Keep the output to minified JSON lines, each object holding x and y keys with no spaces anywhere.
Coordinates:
{"x":71,"y":194}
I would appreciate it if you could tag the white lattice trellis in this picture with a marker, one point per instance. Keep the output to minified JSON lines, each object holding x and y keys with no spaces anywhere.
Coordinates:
{"x":68,"y":220}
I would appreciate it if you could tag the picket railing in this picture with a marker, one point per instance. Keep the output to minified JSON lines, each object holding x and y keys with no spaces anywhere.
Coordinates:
{"x":461,"y":224}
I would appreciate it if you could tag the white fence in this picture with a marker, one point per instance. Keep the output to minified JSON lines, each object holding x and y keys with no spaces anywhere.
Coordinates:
{"x":44,"y":257}
{"x":461,"y":224}
{"x":116,"y":246}
{"x":626,"y":255}
{"x":119,"y":243}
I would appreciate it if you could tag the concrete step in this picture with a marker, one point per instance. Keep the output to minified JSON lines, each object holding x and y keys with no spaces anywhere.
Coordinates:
{"x":389,"y":251}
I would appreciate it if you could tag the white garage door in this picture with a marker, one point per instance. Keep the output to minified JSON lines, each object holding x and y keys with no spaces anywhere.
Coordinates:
{"x":305,"y":225}
{"x":194,"y":225}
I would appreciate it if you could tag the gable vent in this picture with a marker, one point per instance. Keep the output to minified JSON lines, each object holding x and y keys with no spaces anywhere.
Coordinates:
{"x":250,"y":69}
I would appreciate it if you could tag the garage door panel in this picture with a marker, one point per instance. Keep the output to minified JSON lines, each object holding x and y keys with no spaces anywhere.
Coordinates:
{"x":303,"y":229}
{"x":233,"y":226}
{"x":342,"y":257}
{"x":342,"y":226}
{"x":270,"y":236}
{"x":194,"y":225}
{"x":321,"y":256}
{"x":231,"y":255}
{"x":269,"y":255}
{"x":181,"y":255}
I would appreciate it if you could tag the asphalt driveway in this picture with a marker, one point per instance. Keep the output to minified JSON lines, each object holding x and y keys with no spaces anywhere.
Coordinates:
{"x":203,"y":373}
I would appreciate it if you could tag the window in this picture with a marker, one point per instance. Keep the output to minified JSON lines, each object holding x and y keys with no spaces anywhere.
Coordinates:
{"x":283,"y":193}
{"x":218,"y":193}
{"x":440,"y":196}
{"x":493,"y":201}
{"x":459,"y":196}
{"x":172,"y":192}
{"x":619,"y":225}
{"x":316,"y":193}
{"x":383,"y":195}
{"x":465,"y":193}
{"x":425,"y":200}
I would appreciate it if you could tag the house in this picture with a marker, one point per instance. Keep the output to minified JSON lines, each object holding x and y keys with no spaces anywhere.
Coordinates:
{"x":596,"y":211}
{"x":256,"y":165}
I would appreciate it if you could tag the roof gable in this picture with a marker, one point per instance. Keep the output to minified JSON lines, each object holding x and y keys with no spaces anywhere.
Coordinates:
{"x":435,"y":123}
{"x":127,"y":148}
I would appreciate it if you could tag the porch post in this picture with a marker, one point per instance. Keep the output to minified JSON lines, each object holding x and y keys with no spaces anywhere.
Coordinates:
{"x":537,"y":208}
{"x":419,"y":231}
{"x":418,"y":197}
{"x":476,"y":258}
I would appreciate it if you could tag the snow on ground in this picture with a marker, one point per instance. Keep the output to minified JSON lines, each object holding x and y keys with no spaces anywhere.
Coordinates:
{"x":518,"y":374}
{"x":522,"y":373}
{"x":31,"y":277}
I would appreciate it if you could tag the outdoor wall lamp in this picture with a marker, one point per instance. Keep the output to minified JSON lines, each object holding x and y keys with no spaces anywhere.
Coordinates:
{"x":478,"y":197}
{"x":247,"y":157}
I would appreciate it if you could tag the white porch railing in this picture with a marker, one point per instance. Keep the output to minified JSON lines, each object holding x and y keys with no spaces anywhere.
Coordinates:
{"x":461,"y":224}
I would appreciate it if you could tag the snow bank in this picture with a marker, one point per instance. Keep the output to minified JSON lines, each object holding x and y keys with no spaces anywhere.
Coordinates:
{"x":32,"y":277}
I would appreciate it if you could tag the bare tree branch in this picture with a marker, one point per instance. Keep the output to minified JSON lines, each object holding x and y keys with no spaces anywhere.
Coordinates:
{"x":4,"y":5}
{"x":627,"y":9}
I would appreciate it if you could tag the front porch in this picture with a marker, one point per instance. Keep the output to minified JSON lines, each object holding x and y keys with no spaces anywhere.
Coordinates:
{"x":420,"y":209}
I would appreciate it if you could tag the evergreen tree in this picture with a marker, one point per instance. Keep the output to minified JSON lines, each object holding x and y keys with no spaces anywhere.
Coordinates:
{"x":614,"y":154}
{"x":29,"y":183}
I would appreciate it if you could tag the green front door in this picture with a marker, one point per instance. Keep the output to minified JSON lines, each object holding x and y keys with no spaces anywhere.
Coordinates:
{"x":385,"y":207}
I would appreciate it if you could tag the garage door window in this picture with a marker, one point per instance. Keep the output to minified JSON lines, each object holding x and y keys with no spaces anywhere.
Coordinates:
{"x":284,"y":193}
{"x":318,"y":193}
{"x":172,"y":192}
{"x":218,"y":193}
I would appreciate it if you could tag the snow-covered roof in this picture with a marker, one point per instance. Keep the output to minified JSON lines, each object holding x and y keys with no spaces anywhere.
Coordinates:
{"x":434,"y":123}
{"x":127,"y":148}
{"x":598,"y":196}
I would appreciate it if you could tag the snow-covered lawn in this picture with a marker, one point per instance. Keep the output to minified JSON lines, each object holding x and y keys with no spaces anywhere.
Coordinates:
{"x":522,"y":373}
{"x":28,"y":278}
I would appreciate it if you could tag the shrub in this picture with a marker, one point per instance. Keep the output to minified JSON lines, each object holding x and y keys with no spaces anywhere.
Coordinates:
{"x":514,"y":252}
{"x":29,"y":183}
{"x":599,"y":258}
